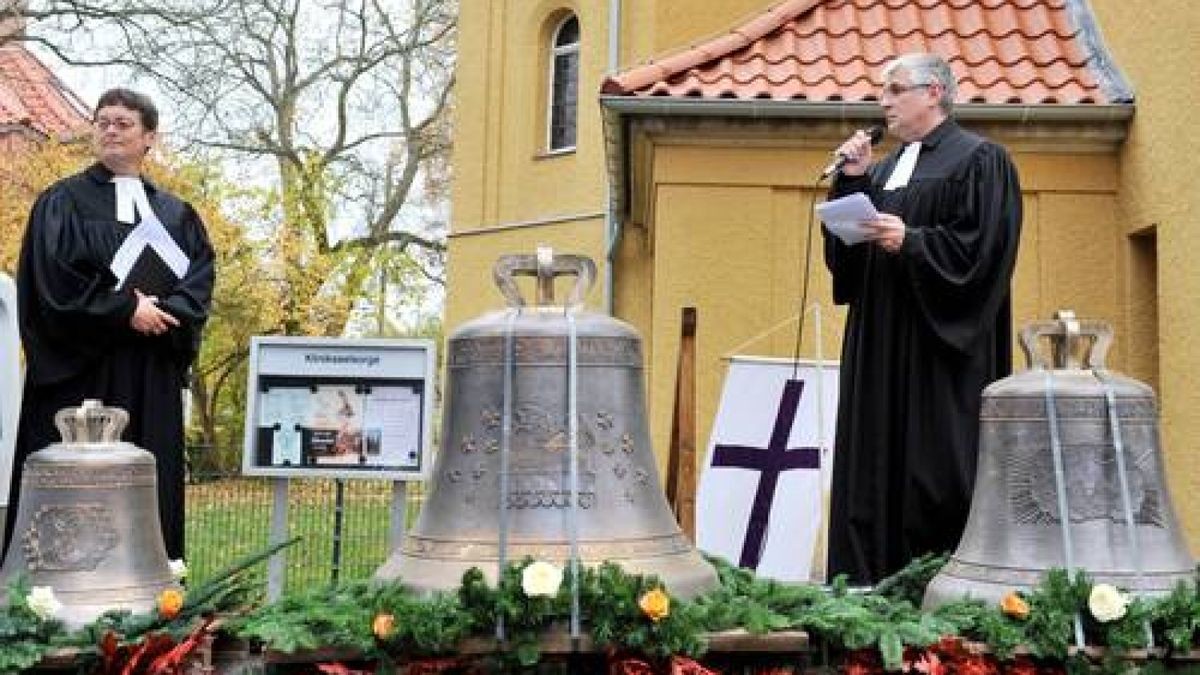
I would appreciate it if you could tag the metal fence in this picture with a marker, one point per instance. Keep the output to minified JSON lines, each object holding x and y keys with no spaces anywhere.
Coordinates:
{"x":229,"y":517}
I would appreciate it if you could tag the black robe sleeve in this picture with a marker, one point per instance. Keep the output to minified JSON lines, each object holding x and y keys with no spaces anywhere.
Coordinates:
{"x":69,"y":312}
{"x":847,"y":264}
{"x":961,"y":263}
{"x":191,"y":297}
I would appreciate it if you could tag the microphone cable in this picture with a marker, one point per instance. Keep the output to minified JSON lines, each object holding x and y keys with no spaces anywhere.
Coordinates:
{"x":875,"y":132}
{"x":812,"y":205}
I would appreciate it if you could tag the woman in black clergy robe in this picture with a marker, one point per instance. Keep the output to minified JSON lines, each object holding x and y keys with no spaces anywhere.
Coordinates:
{"x":928,"y":327}
{"x":85,"y":334}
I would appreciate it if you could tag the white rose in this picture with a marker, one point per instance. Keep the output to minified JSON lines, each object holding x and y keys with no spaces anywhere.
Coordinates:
{"x":41,"y":601}
{"x":541,"y":578}
{"x":179,"y":569}
{"x":1107,"y":603}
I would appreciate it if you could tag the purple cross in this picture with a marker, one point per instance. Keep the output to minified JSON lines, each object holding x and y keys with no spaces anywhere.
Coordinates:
{"x":771,"y":461}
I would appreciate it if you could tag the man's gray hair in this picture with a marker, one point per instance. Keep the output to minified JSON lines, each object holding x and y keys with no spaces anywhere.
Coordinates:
{"x":926,"y":69}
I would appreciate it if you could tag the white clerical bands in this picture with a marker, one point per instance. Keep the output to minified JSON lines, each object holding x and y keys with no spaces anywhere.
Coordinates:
{"x":904,"y":167}
{"x":131,"y":195}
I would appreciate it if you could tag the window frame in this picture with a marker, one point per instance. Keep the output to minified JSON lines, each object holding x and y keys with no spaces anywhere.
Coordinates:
{"x":555,"y":51}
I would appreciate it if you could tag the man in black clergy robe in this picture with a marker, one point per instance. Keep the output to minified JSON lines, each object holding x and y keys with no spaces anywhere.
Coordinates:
{"x":102,"y":314}
{"x":928,"y":327}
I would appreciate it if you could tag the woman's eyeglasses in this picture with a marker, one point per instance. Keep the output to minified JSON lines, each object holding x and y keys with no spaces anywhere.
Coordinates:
{"x":120,"y":124}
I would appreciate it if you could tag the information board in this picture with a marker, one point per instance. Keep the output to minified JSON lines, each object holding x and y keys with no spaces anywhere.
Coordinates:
{"x":334,"y":407}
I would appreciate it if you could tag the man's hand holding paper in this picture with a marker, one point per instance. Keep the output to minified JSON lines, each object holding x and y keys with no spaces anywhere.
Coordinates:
{"x":887,"y":230}
{"x":853,"y":219}
{"x":846,"y":217}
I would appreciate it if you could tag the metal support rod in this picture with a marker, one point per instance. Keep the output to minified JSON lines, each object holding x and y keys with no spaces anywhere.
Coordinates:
{"x":339,"y":517}
{"x":505,"y":449}
{"x":1114,"y":423}
{"x":398,"y":524}
{"x":1060,"y":483}
{"x":277,"y":567}
{"x":573,"y":454}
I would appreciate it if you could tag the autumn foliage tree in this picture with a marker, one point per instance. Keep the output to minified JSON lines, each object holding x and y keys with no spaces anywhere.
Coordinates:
{"x":331,"y":117}
{"x":339,"y":108}
{"x":23,"y":174}
{"x":247,"y":299}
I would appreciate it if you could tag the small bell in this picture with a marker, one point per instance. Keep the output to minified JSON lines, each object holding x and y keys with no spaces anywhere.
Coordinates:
{"x":1070,"y":476}
{"x":87,"y":524}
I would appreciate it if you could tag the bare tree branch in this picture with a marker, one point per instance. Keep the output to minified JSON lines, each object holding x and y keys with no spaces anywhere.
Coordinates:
{"x":342,"y":103}
{"x":400,"y":239}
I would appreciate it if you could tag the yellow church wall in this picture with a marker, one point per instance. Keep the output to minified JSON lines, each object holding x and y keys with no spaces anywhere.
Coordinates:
{"x":1111,"y":236}
{"x":1027,"y":285}
{"x":1077,"y":259}
{"x":509,"y":193}
{"x":633,"y":287}
{"x":1158,"y":164}
{"x":728,"y":238}
{"x":730,"y":252}
{"x":471,"y":259}
{"x":682,"y":23}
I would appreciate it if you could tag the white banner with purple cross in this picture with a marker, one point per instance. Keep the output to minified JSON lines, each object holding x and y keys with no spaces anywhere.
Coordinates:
{"x":763,"y":494}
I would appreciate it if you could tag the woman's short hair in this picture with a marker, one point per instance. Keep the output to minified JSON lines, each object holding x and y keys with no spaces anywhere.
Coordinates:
{"x":127,"y":98}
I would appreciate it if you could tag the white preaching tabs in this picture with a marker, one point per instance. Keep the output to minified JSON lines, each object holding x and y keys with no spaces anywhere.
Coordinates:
{"x":131,"y":196}
{"x":904,"y":167}
{"x":845,"y":216}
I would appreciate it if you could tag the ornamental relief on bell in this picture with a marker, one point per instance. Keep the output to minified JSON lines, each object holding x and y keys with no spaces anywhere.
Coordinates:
{"x":540,"y":445}
{"x":546,"y":350}
{"x":1093,"y":486}
{"x":69,"y":538}
{"x":541,"y":427}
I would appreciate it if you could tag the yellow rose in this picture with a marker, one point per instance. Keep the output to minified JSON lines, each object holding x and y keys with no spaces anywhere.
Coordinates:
{"x":655,"y":604}
{"x":1015,"y":606}
{"x":383,"y":626}
{"x":170,"y":602}
{"x":541,"y":578}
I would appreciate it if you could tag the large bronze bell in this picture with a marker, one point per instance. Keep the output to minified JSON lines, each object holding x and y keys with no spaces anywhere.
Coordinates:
{"x":1067,"y":436}
{"x":503,"y":483}
{"x":87,"y":523}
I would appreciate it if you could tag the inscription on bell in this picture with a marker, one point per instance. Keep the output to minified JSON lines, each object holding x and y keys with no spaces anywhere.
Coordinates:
{"x":535,"y":486}
{"x":1093,"y":486}
{"x":68,"y":538}
{"x":549,"y":499}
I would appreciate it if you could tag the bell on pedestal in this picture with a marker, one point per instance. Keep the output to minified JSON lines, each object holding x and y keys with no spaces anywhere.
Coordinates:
{"x":1067,"y":437}
{"x":87,"y":523}
{"x":503,"y":483}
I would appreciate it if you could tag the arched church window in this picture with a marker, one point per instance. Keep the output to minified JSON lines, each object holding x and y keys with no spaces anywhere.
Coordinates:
{"x":564,"y":84}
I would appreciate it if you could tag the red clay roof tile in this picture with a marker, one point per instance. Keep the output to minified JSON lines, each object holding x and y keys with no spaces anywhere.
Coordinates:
{"x":1002,"y":51}
{"x":30,"y":95}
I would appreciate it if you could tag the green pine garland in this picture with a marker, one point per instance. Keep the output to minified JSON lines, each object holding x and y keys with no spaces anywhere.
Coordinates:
{"x":24,"y":638}
{"x":887,"y":619}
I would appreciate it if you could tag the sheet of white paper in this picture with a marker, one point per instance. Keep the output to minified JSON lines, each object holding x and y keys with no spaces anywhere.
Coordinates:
{"x":392,"y":424}
{"x":844,"y":216}
{"x":285,"y":410}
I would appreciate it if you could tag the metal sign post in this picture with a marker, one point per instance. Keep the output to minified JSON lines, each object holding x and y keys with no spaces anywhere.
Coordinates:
{"x":337,"y":408}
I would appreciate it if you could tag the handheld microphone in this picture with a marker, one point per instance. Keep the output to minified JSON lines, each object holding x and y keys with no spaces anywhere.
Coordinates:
{"x":839,"y":160}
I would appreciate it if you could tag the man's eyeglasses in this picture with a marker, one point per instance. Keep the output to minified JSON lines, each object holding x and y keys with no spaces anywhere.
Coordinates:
{"x":120,"y":124}
{"x":895,"y":88}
